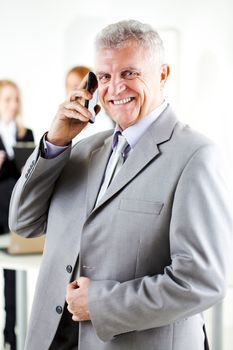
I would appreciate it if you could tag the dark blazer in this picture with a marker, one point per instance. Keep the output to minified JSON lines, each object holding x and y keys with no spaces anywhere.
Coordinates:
{"x":8,"y":177}
{"x":8,"y":168}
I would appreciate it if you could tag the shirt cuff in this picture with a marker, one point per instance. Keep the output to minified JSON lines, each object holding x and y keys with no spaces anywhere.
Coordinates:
{"x":51,"y":151}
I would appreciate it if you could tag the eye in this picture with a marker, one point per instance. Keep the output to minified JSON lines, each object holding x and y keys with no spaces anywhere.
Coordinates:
{"x":129,"y":74}
{"x":104,"y":78}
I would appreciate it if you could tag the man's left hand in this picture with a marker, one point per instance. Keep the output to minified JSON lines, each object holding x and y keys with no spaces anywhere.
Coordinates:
{"x":76,"y":298}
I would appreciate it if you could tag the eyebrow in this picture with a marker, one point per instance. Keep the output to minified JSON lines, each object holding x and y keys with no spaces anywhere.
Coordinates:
{"x":131,"y":68}
{"x":122,"y":70}
{"x":101,"y":72}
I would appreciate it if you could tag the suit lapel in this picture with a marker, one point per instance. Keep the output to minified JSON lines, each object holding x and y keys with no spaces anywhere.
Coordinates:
{"x":139,"y":158}
{"x":145,"y":151}
{"x":98,"y":162}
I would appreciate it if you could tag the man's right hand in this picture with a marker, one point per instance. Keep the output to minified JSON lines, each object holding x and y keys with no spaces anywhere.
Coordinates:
{"x":71,"y":117}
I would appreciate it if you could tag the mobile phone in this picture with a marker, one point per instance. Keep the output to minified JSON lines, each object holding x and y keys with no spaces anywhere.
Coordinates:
{"x":92,"y":85}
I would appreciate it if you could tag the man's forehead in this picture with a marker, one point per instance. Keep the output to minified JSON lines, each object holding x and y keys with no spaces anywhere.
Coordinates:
{"x":119,"y":58}
{"x":128,"y":48}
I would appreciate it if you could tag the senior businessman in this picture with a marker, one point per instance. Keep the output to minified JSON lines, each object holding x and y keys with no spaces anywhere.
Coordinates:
{"x":137,"y":219}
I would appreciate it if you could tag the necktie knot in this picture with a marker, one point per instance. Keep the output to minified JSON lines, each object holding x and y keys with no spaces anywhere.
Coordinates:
{"x":121,"y":145}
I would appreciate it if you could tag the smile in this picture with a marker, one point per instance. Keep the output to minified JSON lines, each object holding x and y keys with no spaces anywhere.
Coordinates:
{"x":123,"y":101}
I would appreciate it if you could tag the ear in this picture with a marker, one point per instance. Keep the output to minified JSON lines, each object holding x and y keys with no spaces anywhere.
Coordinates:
{"x":164,"y":73}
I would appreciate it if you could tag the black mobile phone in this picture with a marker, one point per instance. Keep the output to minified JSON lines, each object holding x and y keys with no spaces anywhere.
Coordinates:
{"x":92,"y":85}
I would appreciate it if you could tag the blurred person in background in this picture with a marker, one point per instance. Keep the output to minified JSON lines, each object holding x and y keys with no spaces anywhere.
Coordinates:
{"x":73,"y":79}
{"x":12,"y":131}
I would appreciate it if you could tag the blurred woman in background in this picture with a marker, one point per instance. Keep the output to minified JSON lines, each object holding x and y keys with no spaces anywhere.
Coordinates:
{"x":12,"y":131}
{"x":74,"y":77}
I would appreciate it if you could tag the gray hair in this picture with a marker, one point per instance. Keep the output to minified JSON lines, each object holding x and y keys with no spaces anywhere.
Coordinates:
{"x":118,"y":35}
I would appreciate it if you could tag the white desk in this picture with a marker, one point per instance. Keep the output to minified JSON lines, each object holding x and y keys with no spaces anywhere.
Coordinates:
{"x":23,"y":265}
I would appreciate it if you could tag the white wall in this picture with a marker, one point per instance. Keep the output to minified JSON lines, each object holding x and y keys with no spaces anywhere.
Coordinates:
{"x":41,"y":39}
{"x":36,"y":38}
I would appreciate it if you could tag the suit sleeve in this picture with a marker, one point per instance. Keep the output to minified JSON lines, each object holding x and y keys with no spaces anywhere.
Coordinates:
{"x":200,"y":240}
{"x":31,"y":196}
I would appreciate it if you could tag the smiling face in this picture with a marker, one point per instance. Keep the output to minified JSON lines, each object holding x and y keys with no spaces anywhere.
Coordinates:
{"x":9,"y":103}
{"x":129,"y":82}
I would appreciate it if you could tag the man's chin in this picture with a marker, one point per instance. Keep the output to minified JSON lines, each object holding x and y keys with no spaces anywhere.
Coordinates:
{"x":122,"y":120}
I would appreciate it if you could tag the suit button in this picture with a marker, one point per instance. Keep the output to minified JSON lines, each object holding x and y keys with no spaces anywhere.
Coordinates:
{"x":59,"y":309}
{"x":69,"y":268}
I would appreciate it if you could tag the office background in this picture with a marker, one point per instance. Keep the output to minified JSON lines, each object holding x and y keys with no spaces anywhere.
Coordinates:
{"x":41,"y":39}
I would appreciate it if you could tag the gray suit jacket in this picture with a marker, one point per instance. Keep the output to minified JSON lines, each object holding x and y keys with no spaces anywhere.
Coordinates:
{"x":155,"y":247}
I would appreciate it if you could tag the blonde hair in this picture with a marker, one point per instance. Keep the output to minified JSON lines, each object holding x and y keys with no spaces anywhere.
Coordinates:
{"x":21,"y":130}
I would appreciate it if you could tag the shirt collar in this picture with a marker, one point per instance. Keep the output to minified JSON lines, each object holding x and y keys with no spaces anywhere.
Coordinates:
{"x":134,"y":132}
{"x":8,"y":127}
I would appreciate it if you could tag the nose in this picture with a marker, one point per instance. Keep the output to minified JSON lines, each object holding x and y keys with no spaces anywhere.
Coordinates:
{"x":116,"y":86}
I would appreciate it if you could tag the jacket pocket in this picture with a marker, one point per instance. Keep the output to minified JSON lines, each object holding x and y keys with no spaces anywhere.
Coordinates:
{"x":140,"y":206}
